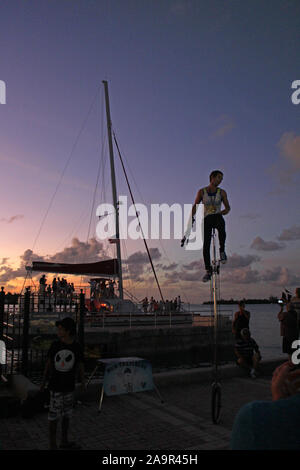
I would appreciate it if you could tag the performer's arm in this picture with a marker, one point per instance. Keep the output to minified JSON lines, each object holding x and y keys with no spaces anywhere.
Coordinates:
{"x":197,"y":201}
{"x":225,"y":202}
{"x":192,"y":218}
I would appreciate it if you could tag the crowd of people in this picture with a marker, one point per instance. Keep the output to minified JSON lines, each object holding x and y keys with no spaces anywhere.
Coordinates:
{"x":246,"y":348}
{"x":61,"y":287}
{"x":102,"y":289}
{"x":58,"y":287}
{"x":262,"y":424}
{"x":152,"y":305}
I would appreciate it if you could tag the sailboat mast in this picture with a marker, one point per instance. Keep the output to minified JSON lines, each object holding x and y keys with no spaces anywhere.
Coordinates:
{"x":114,"y":188}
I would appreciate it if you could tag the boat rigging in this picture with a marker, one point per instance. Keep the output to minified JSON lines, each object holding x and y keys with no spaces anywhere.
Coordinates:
{"x":107,"y":269}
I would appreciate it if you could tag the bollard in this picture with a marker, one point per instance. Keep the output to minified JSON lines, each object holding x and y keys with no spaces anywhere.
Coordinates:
{"x":25,"y":337}
{"x":2,"y":302}
{"x":81,"y":318}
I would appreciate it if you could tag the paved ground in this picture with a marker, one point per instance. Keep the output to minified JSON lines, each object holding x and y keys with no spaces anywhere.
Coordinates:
{"x":141,"y":421}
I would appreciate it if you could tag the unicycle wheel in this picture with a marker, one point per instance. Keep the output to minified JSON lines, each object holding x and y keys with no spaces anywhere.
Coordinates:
{"x":216,"y":402}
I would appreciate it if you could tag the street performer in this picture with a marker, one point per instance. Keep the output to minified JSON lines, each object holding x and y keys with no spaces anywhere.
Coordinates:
{"x":212,"y":197}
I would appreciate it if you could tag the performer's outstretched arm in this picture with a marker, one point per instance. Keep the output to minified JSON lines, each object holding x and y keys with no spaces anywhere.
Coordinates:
{"x":192,"y":217}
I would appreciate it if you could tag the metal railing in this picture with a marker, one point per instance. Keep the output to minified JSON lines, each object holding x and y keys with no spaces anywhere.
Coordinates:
{"x":25,"y":322}
{"x":17,"y":327}
{"x":157,"y":319}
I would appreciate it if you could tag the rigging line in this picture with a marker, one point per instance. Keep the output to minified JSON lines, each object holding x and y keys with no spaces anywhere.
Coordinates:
{"x":160,"y":241}
{"x":145,"y":243}
{"x":124,"y":250}
{"x":133,"y":178}
{"x":31,"y":278}
{"x":94,"y":194}
{"x":96,"y":187}
{"x":179,"y":282}
{"x":65,"y":168}
{"x":24,"y":282}
{"x":131,"y":286}
{"x":75,"y":229}
{"x":125,"y":260}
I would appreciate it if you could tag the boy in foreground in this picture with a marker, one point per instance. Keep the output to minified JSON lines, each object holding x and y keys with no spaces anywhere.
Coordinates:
{"x":65,"y":358}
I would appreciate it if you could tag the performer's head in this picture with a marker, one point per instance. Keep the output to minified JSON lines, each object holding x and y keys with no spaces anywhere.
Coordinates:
{"x":216,"y":176}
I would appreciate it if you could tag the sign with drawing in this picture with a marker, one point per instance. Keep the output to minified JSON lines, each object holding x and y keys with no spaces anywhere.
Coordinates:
{"x":127,"y":375}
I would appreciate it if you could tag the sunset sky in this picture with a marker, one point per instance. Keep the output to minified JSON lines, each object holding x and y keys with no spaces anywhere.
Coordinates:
{"x":195,"y":85}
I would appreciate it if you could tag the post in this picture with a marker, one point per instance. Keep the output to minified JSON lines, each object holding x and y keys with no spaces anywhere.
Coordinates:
{"x":25,"y":337}
{"x":2,"y":302}
{"x":215,"y":301}
{"x":81,"y":318}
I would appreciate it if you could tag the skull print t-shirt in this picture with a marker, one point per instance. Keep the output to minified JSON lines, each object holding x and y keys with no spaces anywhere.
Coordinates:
{"x":64,"y":361}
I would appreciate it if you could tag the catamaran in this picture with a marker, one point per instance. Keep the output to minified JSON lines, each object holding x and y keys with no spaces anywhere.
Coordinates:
{"x":110,"y":270}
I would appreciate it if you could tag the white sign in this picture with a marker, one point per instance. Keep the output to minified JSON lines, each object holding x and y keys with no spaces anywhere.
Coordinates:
{"x":2,"y":353}
{"x":127,"y":375}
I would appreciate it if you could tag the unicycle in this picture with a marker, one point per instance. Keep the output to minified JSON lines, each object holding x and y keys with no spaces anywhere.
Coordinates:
{"x":216,"y":404}
{"x":216,"y":394}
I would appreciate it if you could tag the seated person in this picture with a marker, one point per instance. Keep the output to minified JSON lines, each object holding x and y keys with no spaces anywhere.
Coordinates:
{"x":271,"y":425}
{"x":247,"y":352}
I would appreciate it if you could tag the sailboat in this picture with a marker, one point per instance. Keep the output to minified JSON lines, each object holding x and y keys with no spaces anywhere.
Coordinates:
{"x":102,"y":299}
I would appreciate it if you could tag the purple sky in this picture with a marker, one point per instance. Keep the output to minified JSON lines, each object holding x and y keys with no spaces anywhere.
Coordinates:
{"x":194,"y":86}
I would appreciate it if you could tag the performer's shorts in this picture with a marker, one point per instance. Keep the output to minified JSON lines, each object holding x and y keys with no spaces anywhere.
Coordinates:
{"x":61,"y":404}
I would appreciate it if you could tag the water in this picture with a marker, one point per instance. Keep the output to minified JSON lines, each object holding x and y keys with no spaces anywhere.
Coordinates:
{"x":264,"y":326}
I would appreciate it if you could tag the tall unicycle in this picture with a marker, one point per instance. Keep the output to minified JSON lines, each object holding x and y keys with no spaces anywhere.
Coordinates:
{"x":215,"y":292}
{"x":216,"y":386}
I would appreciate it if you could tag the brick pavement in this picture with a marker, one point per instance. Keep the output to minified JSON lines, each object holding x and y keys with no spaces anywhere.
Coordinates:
{"x":141,"y":421}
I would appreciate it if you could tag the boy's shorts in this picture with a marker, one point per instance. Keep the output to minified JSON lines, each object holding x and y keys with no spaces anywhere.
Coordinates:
{"x":61,"y":404}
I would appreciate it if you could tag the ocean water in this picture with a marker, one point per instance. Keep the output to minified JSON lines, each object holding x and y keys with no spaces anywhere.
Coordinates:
{"x":264,"y":326}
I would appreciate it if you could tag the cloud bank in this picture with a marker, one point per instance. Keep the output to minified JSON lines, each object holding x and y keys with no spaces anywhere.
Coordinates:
{"x":261,"y":245}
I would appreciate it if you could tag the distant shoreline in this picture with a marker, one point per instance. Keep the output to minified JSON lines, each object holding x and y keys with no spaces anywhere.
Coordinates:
{"x":247,"y":301}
